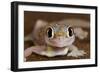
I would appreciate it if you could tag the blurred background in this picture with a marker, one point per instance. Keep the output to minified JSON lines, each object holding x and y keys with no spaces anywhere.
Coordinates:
{"x":72,"y":18}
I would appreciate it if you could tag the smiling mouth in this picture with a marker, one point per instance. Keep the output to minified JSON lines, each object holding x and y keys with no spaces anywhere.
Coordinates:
{"x":61,"y":40}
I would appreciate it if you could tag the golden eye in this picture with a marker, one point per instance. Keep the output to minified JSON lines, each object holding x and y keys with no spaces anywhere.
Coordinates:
{"x":50,"y":32}
{"x":70,"y":32}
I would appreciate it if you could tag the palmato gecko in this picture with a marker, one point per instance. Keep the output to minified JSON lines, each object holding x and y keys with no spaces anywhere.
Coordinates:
{"x":54,"y":39}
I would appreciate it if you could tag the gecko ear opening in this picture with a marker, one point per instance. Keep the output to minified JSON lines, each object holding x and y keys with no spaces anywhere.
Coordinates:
{"x":50,"y":32}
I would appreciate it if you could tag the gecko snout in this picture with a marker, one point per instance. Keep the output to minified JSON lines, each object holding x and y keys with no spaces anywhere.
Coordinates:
{"x":59,"y":34}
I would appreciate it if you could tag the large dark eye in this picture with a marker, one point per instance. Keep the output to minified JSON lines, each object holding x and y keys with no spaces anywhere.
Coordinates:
{"x":70,"y":31}
{"x":50,"y":32}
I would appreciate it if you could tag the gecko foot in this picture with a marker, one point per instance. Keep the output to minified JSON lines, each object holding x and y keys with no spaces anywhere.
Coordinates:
{"x":77,"y":53}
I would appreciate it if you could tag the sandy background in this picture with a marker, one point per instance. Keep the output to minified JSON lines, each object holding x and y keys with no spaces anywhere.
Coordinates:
{"x":30,"y":19}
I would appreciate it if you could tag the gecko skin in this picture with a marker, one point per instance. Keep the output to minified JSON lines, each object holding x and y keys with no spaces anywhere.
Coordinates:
{"x":53,"y":39}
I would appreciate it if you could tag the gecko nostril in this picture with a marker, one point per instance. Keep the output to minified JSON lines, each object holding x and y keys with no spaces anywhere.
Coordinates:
{"x":60,"y":38}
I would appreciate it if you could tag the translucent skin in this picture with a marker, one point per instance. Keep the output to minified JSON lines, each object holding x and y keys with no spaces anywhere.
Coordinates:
{"x":60,"y":39}
{"x":60,"y":36}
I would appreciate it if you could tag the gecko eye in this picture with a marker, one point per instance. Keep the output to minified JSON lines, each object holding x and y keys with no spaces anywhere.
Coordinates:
{"x":50,"y":32}
{"x":70,"y":32}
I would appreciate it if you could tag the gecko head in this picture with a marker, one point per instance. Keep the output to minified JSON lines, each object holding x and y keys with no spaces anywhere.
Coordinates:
{"x":59,"y":35}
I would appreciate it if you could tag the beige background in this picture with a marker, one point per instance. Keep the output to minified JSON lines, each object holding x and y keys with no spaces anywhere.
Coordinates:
{"x":31,"y":17}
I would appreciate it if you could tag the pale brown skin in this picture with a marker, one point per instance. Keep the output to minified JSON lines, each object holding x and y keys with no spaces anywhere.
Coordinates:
{"x":59,"y":42}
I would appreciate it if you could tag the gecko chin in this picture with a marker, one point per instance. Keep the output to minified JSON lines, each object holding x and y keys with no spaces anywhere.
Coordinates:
{"x":62,"y":42}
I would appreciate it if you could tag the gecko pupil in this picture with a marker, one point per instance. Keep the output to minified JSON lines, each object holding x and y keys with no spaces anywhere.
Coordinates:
{"x":70,"y":31}
{"x":49,"y":32}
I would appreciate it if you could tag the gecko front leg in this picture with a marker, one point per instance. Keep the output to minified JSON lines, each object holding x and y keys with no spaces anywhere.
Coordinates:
{"x":35,"y":49}
{"x":75,"y":52}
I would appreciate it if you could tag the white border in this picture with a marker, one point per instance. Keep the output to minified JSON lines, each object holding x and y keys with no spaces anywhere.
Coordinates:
{"x":22,"y":64}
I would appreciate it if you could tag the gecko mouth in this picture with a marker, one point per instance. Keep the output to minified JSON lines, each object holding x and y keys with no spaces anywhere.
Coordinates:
{"x":60,"y":42}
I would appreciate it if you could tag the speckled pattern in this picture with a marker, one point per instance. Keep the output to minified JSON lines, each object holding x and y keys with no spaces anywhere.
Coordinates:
{"x":81,"y":44}
{"x":30,"y":19}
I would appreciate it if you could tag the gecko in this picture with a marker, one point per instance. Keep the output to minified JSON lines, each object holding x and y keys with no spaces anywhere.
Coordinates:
{"x":54,"y":39}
